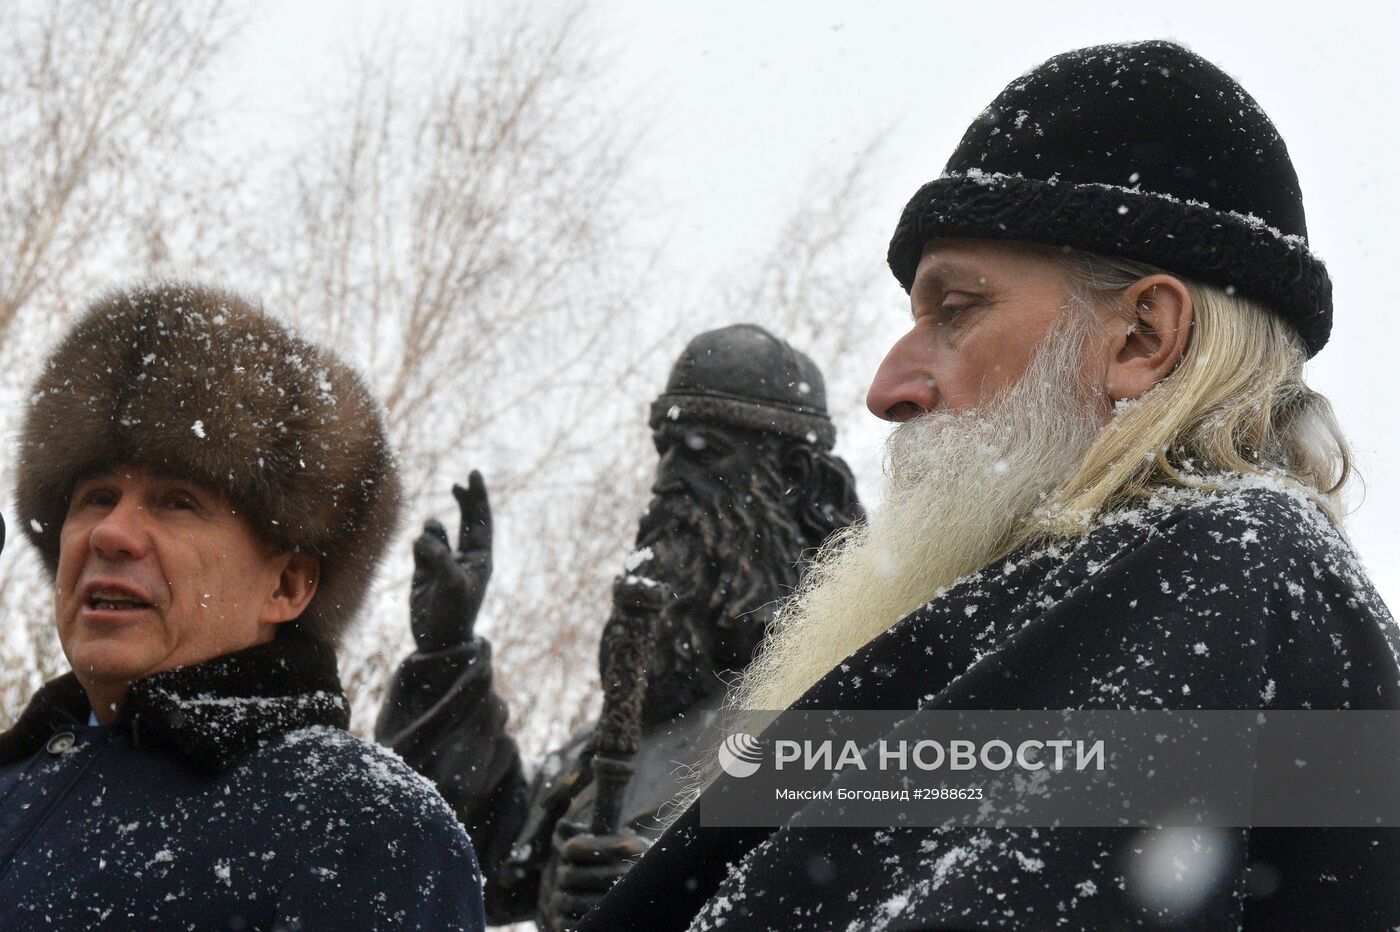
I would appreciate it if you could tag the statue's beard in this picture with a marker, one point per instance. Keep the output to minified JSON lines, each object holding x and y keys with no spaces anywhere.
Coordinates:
{"x":723,"y":559}
{"x":961,"y":487}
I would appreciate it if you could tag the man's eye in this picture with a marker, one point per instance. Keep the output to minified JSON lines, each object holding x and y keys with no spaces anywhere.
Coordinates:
{"x":102,"y":498}
{"x":955,"y":305}
{"x":180,"y":501}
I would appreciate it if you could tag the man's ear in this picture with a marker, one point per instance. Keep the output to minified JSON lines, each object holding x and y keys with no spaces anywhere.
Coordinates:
{"x":1149,"y":339}
{"x":296,"y":584}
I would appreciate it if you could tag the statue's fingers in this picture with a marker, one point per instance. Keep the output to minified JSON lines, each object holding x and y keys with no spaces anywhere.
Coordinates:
{"x":432,"y":544}
{"x":475,"y":532}
{"x":596,"y":879}
{"x":603,"y":849}
{"x":571,"y":909}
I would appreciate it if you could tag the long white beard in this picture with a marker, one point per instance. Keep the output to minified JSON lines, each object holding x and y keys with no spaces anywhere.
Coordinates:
{"x":962,"y":486}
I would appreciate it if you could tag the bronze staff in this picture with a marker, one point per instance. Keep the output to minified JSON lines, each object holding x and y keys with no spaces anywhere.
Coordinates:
{"x":629,"y":644}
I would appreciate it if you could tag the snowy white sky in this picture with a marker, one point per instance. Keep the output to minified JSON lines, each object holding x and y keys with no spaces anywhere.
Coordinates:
{"x":744,"y":99}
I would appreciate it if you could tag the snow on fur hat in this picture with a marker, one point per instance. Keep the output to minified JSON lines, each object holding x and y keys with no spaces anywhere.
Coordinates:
{"x":197,"y":383}
{"x":1145,"y":151}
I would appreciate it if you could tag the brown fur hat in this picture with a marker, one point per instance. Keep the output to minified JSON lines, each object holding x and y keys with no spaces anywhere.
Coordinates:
{"x":197,"y":383}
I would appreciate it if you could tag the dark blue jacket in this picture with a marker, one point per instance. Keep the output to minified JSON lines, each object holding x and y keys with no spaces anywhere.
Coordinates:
{"x":226,"y":795}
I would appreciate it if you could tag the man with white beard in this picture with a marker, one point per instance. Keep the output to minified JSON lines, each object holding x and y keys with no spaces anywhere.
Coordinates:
{"x":1110,"y":488}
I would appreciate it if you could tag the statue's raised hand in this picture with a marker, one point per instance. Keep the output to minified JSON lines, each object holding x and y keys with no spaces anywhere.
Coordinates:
{"x":448,"y":586}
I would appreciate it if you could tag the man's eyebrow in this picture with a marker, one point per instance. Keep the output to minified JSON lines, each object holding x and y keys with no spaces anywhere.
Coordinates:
{"x":946,"y":275}
{"x":93,"y":475}
{"x":941,"y":274}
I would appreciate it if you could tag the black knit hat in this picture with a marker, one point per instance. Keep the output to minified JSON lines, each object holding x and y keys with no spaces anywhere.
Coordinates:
{"x":1144,"y":151}
{"x":744,"y":376}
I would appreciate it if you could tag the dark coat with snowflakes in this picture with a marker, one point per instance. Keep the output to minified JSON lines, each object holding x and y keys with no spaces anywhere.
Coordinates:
{"x":1240,"y":599}
{"x":225,"y":795}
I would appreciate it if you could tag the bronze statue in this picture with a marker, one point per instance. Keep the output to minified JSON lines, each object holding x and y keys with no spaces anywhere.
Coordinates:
{"x":746,"y":484}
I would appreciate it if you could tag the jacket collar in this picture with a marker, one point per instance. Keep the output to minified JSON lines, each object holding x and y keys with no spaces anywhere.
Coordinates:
{"x":210,"y":713}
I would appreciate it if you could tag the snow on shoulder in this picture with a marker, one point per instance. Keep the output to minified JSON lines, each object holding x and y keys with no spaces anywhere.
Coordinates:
{"x":1277,"y":522}
{"x":364,"y":776}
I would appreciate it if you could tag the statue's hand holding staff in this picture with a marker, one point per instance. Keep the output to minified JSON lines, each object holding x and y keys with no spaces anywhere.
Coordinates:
{"x":448,"y":586}
{"x":588,"y":866}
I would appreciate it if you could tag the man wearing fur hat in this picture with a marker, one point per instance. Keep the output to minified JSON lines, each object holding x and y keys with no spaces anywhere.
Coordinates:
{"x":1110,"y":489}
{"x":211,"y":495}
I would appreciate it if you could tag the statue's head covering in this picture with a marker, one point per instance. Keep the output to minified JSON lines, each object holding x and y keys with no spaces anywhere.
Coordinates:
{"x":743,"y":376}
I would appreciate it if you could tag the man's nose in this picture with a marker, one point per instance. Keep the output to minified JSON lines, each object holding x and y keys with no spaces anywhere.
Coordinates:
{"x":121,"y":534}
{"x":904,"y":386}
